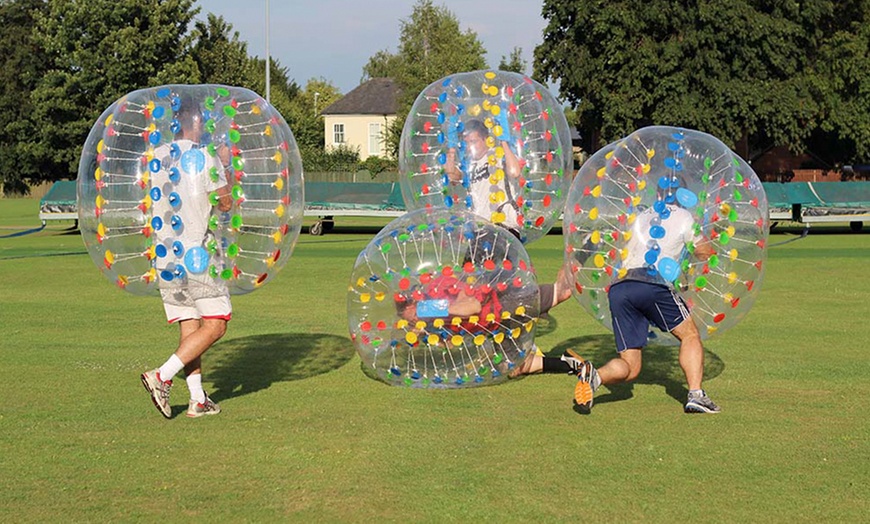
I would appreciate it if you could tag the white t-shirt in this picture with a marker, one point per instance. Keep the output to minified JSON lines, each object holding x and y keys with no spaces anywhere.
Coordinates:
{"x":492,"y":199}
{"x":192,"y":189}
{"x":673,"y":232}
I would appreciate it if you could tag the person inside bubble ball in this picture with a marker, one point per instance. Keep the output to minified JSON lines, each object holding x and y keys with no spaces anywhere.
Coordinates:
{"x":198,"y":303}
{"x":643,"y":297}
{"x":492,"y":172}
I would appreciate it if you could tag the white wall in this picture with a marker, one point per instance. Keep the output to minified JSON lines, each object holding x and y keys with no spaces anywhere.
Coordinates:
{"x":356,"y":132}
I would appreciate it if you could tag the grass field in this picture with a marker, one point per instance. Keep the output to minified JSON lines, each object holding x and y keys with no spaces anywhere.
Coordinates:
{"x":305,"y":436}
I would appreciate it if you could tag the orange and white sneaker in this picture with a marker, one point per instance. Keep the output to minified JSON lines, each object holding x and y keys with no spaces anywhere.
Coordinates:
{"x":198,"y":409}
{"x":584,"y":391}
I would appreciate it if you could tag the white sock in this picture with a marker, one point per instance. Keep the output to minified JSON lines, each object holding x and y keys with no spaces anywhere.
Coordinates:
{"x":194,"y":384}
{"x":171,"y":368}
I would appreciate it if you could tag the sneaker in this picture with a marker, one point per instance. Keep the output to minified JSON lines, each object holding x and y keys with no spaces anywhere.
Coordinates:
{"x":573,"y":360}
{"x":159,"y":390}
{"x":583,"y":396}
{"x":198,"y":409}
{"x":701,"y":404}
{"x":589,"y":374}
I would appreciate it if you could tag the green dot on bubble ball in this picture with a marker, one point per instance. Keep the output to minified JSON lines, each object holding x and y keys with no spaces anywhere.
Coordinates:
{"x":737,"y":196}
{"x":213,"y":174}
{"x":222,"y":91}
{"x":408,"y":381}
{"x":238,"y":163}
{"x":596,"y":276}
{"x":212,"y":150}
{"x":595,"y":308}
{"x":213,"y":272}
{"x":708,"y":163}
{"x":376,"y":343}
{"x":422,"y":227}
{"x":227,"y":274}
{"x":738,"y":177}
{"x":732,"y":216}
{"x":211,"y":247}
{"x":482,"y":370}
{"x":236,"y":221}
{"x":213,"y":198}
{"x":724,"y":239}
{"x":213,"y":222}
{"x":238,"y":192}
{"x":405,"y":272}
{"x":233,"y":250}
{"x":230,"y":111}
{"x":404,"y":237}
{"x":442,"y":221}
{"x":386,"y":248}
{"x":497,"y":358}
{"x":701,"y":282}
{"x":209,"y":102}
{"x":235,"y":136}
{"x":210,"y":125}
{"x":713,"y":261}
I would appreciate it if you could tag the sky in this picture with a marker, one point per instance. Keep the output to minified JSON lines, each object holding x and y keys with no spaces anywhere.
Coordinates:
{"x":334,"y":39}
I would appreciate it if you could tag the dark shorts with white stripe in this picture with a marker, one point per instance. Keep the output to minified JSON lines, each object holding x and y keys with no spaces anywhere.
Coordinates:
{"x":634,"y":305}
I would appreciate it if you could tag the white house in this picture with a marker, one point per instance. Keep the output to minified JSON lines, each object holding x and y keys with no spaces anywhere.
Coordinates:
{"x":360,"y":118}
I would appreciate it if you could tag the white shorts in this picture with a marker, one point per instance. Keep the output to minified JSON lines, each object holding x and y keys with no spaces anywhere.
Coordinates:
{"x":180,"y":304}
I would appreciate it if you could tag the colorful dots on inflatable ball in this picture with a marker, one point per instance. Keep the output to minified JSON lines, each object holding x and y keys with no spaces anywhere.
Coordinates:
{"x":442,"y":299}
{"x":189,"y":186}
{"x":495,"y":143}
{"x":674,"y":207}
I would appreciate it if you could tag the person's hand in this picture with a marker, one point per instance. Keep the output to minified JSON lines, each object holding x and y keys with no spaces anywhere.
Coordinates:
{"x":223,"y":153}
{"x":453,"y":173}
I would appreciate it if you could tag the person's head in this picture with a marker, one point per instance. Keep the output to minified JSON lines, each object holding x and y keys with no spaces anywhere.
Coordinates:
{"x":189,"y":118}
{"x":474,"y":134}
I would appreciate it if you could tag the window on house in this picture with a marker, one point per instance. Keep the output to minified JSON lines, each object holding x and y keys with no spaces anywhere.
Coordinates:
{"x":374,"y":139}
{"x":338,"y":133}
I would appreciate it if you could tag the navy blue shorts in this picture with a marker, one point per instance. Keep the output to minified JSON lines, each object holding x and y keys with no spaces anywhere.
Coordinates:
{"x":634,"y":305}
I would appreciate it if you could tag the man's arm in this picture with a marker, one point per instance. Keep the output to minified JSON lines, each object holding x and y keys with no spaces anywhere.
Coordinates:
{"x":511,"y":162}
{"x":465,"y":305}
{"x":450,"y":167}
{"x":704,"y":249}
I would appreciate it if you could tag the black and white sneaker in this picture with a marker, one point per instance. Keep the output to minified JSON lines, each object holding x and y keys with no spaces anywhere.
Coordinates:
{"x":701,"y":403}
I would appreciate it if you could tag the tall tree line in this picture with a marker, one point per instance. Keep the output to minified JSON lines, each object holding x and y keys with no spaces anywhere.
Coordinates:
{"x":754,"y":73}
{"x":65,"y":61}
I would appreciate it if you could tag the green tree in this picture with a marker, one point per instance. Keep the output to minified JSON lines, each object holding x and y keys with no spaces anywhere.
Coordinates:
{"x":219,"y":55}
{"x":304,"y":113}
{"x":514,"y":62}
{"x":733,"y":68}
{"x":24,"y":62}
{"x":431,"y":46}
{"x":101,"y":50}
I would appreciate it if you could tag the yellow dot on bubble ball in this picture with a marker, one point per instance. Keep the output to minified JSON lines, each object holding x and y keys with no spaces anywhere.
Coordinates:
{"x":109,"y":120}
{"x":732,"y":255}
{"x":608,"y":155}
{"x":598,"y":260}
{"x":490,"y":141}
{"x":732,"y":277}
{"x":456,"y":340}
{"x":650,"y":153}
{"x":479,"y":340}
{"x":432,"y":340}
{"x":642,"y":183}
{"x":474,"y":110}
{"x":497,"y":218}
{"x":486,"y":105}
{"x":596,"y":191}
{"x":601,"y":172}
{"x":438,"y":322}
{"x":596,"y":237}
{"x":401,"y":324}
{"x":456,"y":321}
{"x":498,"y":338}
{"x":365,"y":298}
{"x":621,"y":273}
{"x":420,"y":325}
{"x":493,"y":90}
{"x":593,"y":213}
{"x":489,"y":75}
{"x":411,"y":337}
{"x":499,"y":151}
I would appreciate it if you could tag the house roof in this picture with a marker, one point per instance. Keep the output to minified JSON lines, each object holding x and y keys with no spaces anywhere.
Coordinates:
{"x":376,"y":97}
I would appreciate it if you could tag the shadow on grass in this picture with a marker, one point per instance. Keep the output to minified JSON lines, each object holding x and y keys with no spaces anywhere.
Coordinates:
{"x":661,"y":366}
{"x":245,"y":365}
